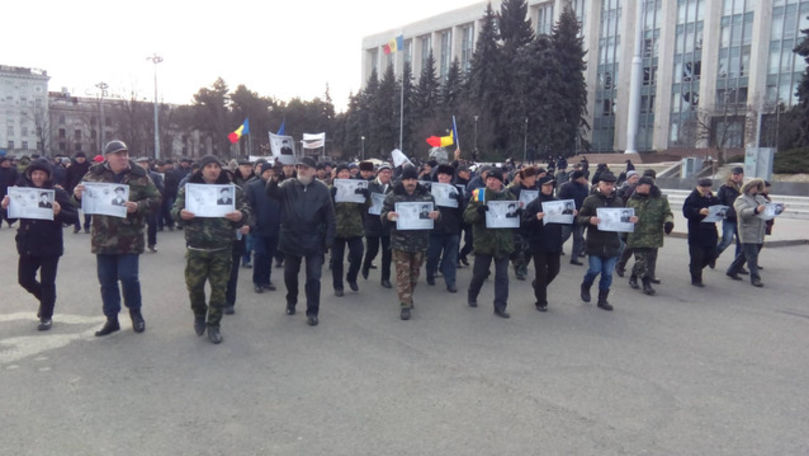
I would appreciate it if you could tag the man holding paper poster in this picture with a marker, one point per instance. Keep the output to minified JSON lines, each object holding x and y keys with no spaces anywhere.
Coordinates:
{"x":751,"y":230}
{"x":603,"y":247}
{"x":118,"y":242}
{"x":39,"y":242}
{"x":445,"y":237}
{"x":702,"y":236}
{"x":348,"y":220}
{"x":375,"y":232}
{"x":654,"y":218}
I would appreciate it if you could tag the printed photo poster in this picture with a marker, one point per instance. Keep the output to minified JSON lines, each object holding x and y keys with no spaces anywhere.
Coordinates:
{"x":771,"y":211}
{"x":615,"y":219}
{"x":461,"y":188}
{"x":350,"y":190}
{"x":30,"y":203}
{"x":210,"y":201}
{"x":445,"y":195}
{"x":377,"y":200}
{"x":414,"y":215}
{"x":560,"y":211}
{"x":105,"y":199}
{"x":283,"y":148}
{"x":716,"y":213}
{"x":503,"y":214}
{"x":526,"y":196}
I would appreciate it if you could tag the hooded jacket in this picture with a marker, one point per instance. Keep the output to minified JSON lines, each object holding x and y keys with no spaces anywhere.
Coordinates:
{"x":751,"y":227}
{"x":307,"y":216}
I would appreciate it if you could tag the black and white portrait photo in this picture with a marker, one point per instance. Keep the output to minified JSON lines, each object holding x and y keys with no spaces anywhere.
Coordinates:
{"x":44,"y":200}
{"x":225,"y":197}
{"x":120,"y":196}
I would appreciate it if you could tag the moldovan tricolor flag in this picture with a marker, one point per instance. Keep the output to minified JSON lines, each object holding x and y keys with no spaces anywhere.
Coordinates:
{"x":239,"y":132}
{"x":441,"y":141}
{"x":394,"y":45}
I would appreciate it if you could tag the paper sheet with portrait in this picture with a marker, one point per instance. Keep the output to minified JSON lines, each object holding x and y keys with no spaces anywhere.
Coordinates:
{"x":30,"y":203}
{"x":377,"y":199}
{"x":559,"y":211}
{"x":503,"y":214}
{"x":445,"y":195}
{"x":526,"y":196}
{"x":771,"y":210}
{"x":210,"y":200}
{"x":615,"y":219}
{"x":413,"y":215}
{"x":103,"y":198}
{"x":350,"y":190}
{"x":716,"y":213}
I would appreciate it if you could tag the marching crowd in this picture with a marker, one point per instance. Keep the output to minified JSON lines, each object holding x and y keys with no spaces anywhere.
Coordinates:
{"x":288,"y":214}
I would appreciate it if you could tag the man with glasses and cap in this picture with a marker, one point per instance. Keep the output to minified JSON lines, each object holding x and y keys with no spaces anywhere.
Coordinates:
{"x":307,"y":230}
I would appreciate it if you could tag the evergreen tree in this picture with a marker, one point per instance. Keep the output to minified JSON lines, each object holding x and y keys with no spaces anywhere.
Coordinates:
{"x":409,"y":142}
{"x":451,"y":90}
{"x":484,"y":85}
{"x":385,"y":117}
{"x":212,"y":112}
{"x":365,"y":104}
{"x":572,"y":111}
{"x":426,"y":96}
{"x":802,"y":108}
{"x":515,"y":27}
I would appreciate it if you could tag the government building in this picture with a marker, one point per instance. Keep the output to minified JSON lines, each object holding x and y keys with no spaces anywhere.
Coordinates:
{"x":713,"y":71}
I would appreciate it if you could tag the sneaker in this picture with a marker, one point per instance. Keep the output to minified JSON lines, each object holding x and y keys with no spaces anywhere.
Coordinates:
{"x":45,"y":324}
{"x":405,"y":314}
{"x":258,"y":289}
{"x":152,"y":249}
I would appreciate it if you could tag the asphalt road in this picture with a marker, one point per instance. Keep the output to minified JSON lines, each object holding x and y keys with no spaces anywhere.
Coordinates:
{"x":722,"y":370}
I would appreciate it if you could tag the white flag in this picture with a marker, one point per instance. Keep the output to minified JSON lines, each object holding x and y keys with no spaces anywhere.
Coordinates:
{"x":314,"y":140}
{"x":399,"y":158}
{"x":283,"y":148}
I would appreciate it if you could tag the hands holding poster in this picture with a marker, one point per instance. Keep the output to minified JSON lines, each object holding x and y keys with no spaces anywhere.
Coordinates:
{"x":104,"y":199}
{"x":30,"y":203}
{"x":209,"y":200}
{"x":502,"y":214}
{"x":283,"y":148}
{"x":414,"y":216}
{"x":716,"y":213}
{"x":526,"y":196}
{"x":616,"y":219}
{"x":771,"y":211}
{"x":377,"y":199}
{"x":445,"y":195}
{"x":560,"y":211}
{"x":350,"y":190}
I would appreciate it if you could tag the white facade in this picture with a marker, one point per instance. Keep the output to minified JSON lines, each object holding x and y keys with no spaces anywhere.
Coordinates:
{"x":23,"y":109}
{"x":709,"y":66}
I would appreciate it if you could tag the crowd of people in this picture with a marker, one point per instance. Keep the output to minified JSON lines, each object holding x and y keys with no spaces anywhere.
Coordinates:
{"x":289,"y":214}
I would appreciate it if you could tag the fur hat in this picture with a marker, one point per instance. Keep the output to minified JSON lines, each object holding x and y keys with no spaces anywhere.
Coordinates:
{"x":646,"y":180}
{"x":366,"y":166}
{"x":446,"y":169}
{"x":607,"y":176}
{"x":705,"y":182}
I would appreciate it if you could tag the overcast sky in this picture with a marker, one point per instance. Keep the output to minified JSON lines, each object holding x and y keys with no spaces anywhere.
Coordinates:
{"x":283,"y":49}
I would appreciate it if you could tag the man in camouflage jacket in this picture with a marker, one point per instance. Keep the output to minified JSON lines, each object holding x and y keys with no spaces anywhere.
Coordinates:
{"x":654,"y":217}
{"x":348,"y":220}
{"x":408,"y":246}
{"x":210,"y":243}
{"x":118,"y":242}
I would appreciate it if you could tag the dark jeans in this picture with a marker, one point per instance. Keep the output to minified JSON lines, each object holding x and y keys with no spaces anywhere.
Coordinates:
{"x":111,"y":269}
{"x":77,"y":225}
{"x":547,"y":268}
{"x":264,"y":248}
{"x":749,"y":254}
{"x":467,"y":241}
{"x":355,"y":249}
{"x":236,"y":254}
{"x":578,"y":239}
{"x":448,"y":244}
{"x":479,"y":273}
{"x":248,"y":249}
{"x":372,"y":246}
{"x":151,"y":230}
{"x":700,"y":257}
{"x":164,"y":213}
{"x":603,"y":266}
{"x":45,"y":289}
{"x":314,"y":266}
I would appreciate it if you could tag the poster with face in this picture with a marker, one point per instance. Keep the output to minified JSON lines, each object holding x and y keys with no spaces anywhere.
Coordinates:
{"x":445,"y":195}
{"x":771,"y":210}
{"x":615,"y":219}
{"x":526,"y":196}
{"x":350,"y":190}
{"x":209,"y":200}
{"x":105,"y":199}
{"x":377,"y":200}
{"x":283,"y":148}
{"x":30,"y":203}
{"x":503,"y":214}
{"x":414,"y":216}
{"x":716,"y":213}
{"x":560,"y":211}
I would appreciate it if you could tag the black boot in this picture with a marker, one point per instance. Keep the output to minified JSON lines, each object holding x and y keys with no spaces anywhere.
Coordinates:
{"x":585,"y":291}
{"x":602,"y":300}
{"x":213,"y":335}
{"x":199,"y":324}
{"x":647,"y":287}
{"x":109,"y":327}
{"x":633,"y":282}
{"x":138,"y":324}
{"x":696,"y":280}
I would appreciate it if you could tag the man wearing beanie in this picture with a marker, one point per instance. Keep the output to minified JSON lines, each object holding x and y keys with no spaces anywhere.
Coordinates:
{"x":603,"y":247}
{"x":654,"y":218}
{"x":376,"y":232}
{"x":490,"y":244}
{"x":266,"y":223}
{"x":210,"y":248}
{"x":527,"y":180}
{"x":445,"y":237}
{"x":118,"y":242}
{"x":702,"y":236}
{"x":408,"y":246}
{"x":577,"y":189}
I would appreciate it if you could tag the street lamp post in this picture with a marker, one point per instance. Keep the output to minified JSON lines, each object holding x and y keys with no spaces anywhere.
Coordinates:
{"x":476,"y":134}
{"x":362,"y":138}
{"x":102,"y":86}
{"x":155,"y":59}
{"x":525,"y":140}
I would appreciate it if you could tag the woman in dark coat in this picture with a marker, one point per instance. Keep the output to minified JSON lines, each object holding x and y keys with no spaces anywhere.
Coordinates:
{"x":39,"y":242}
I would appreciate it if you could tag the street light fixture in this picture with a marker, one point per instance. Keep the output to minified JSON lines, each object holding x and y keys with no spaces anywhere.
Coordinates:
{"x":102,"y":86}
{"x":363,"y":146}
{"x":476,"y":134}
{"x":155,"y":59}
{"x":525,"y":140}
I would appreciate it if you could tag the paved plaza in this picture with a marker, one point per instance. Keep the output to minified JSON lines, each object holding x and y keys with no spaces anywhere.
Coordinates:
{"x":722,"y":370}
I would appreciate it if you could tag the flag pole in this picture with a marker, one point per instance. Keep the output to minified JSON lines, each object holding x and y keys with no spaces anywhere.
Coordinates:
{"x":249,"y":140}
{"x":401,"y":112}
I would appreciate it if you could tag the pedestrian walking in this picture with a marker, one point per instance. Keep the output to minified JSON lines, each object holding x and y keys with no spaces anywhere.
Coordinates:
{"x":702,"y":236}
{"x":654,"y":218}
{"x":577,"y":189}
{"x":445,"y":236}
{"x":265,"y":226}
{"x":348,"y":219}
{"x":751,"y":229}
{"x":376,"y":232}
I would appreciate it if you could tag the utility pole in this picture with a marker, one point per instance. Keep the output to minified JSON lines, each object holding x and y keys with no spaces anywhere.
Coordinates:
{"x":525,"y":140}
{"x":102,"y":86}
{"x":155,"y":59}
{"x":635,"y":81}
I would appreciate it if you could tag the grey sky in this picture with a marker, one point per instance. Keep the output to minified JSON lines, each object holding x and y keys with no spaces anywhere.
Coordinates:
{"x":282,"y":49}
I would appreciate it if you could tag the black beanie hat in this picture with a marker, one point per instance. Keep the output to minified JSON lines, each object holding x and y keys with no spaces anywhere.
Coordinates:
{"x":495,"y":173}
{"x":446,"y":169}
{"x":410,"y":172}
{"x":207,"y":160}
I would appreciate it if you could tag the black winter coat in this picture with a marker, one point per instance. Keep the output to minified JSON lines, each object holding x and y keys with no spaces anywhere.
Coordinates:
{"x":599,"y":243}
{"x":451,"y":218}
{"x":727,"y":196}
{"x":372,"y":223}
{"x":542,"y":238}
{"x":43,"y":238}
{"x":266,"y":220}
{"x":307,"y":216}
{"x":75,"y":173}
{"x":575,"y":191}
{"x":700,"y":234}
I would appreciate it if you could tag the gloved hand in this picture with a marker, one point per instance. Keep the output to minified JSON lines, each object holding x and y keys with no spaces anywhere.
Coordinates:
{"x":482,"y":209}
{"x":366,"y":193}
{"x":668,"y":226}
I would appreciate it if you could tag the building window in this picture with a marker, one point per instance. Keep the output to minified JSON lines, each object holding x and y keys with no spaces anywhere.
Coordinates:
{"x":426,"y":49}
{"x":24,"y":131}
{"x":25,"y":144}
{"x":10,"y":144}
{"x":609,"y":54}
{"x":467,"y":46}
{"x":107,"y":122}
{"x":687,"y":70}
{"x":10,"y":130}
{"x":579,"y":9}
{"x":785,"y":68}
{"x":62,"y":133}
{"x":93,"y":134}
{"x":408,"y":51}
{"x":77,"y":147}
{"x":446,"y":54}
{"x":545,"y":18}
{"x":62,"y":147}
{"x":77,"y":135}
{"x":61,"y":119}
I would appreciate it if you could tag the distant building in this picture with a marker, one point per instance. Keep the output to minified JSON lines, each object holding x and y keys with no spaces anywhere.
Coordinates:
{"x":23,"y":110}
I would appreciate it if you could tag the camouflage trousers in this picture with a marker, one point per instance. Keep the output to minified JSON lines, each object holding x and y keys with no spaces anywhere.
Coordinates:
{"x":407,"y":274}
{"x":645,"y":259}
{"x":521,"y":255}
{"x":214,"y":267}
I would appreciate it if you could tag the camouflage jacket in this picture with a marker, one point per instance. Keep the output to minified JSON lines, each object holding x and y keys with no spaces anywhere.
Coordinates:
{"x":406,"y":240}
{"x":496,"y":242}
{"x":115,"y":235}
{"x":349,"y":217}
{"x":210,"y":233}
{"x":652,"y":211}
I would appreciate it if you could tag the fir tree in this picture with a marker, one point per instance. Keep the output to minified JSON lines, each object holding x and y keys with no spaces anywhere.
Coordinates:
{"x":572,"y":111}
{"x":385,"y":116}
{"x":427,"y":94}
{"x":450,"y":95}
{"x":802,"y":108}
{"x":484,"y":87}
{"x":515,"y":28}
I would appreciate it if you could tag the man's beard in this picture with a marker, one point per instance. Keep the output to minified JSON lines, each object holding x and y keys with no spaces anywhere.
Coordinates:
{"x":305,"y":180}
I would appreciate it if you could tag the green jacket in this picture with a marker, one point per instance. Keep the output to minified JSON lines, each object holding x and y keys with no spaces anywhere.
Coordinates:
{"x":407,"y":240}
{"x":211,"y":233}
{"x":115,"y":235}
{"x":653,"y":212}
{"x":496,"y":242}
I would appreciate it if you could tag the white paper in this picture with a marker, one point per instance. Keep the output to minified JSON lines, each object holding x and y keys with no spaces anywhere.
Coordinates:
{"x":350,"y":190}
{"x":445,"y":195}
{"x":210,"y":200}
{"x":283,"y":148}
{"x":615,"y":219}
{"x":413,"y":216}
{"x":314,"y":140}
{"x":377,"y":200}
{"x":461,"y":189}
{"x":399,"y":158}
{"x":105,"y":199}
{"x":771,"y":211}
{"x":716,"y":213}
{"x":559,"y":211}
{"x":30,"y":203}
{"x":526,"y":196}
{"x":503,"y":214}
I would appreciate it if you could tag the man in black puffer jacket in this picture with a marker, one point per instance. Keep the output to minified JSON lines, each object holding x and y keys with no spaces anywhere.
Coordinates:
{"x":39,"y":242}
